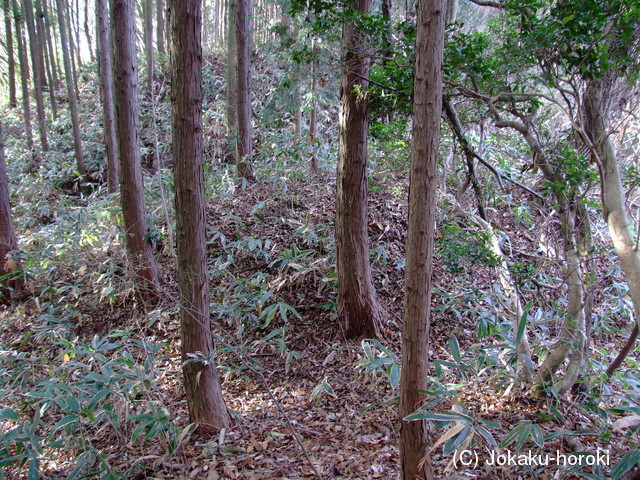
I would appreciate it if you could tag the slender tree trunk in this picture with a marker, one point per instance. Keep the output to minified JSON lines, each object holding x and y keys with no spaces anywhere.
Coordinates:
{"x":387,"y":37}
{"x":232,"y":78}
{"x":148,"y":41}
{"x":71,"y":92}
{"x":313,"y":123}
{"x":10,"y":283}
{"x":359,"y":312}
{"x":35,"y":15}
{"x":243,"y":67}
{"x":204,"y":395}
{"x":452,"y":11}
{"x":103,"y":42}
{"x":37,"y":75}
{"x":24,"y":77}
{"x":206,"y":27}
{"x":53,"y":59}
{"x":509,"y":290}
{"x":613,"y":201}
{"x":42,"y":36}
{"x":571,"y":339}
{"x":72,"y":46}
{"x":74,"y":26}
{"x":87,"y":31}
{"x":160,"y":26}
{"x":11,"y":62}
{"x":427,"y":106}
{"x":125,"y":84}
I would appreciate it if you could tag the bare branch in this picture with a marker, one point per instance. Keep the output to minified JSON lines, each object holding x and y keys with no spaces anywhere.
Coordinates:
{"x":489,"y":3}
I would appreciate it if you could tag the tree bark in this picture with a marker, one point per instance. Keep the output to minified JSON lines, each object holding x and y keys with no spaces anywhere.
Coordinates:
{"x":452,"y":11}
{"x":103,"y":43}
{"x":53,"y":60}
{"x":148,"y":41}
{"x":427,"y":106}
{"x":42,"y":35}
{"x":11,"y":62}
{"x":125,"y":84}
{"x":37,"y":74}
{"x":313,"y":122}
{"x":160,"y":26}
{"x":87,"y":31}
{"x":359,"y":312}
{"x":12,"y":279}
{"x":71,"y":92}
{"x":232,"y":78}
{"x":204,"y":395}
{"x":613,"y":196}
{"x":243,"y":67}
{"x":73,"y":51}
{"x":24,"y":77}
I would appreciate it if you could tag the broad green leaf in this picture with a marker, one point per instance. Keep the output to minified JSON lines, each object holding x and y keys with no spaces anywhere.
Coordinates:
{"x":34,"y":469}
{"x":394,"y":375}
{"x":625,"y":464}
{"x":8,"y":414}
{"x":64,"y":421}
{"x":454,"y":346}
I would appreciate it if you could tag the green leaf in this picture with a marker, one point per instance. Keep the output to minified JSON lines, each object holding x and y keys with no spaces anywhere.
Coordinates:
{"x":102,"y":393}
{"x":394,"y":375}
{"x":73,"y":404}
{"x":536,"y":435}
{"x":8,"y":414}
{"x":34,"y":469}
{"x":438,"y":417}
{"x":69,"y":419}
{"x":487,"y":436}
{"x":522,"y":325}
{"x":454,"y":346}
{"x":380,"y":362}
{"x":625,"y":464}
{"x":456,"y":441}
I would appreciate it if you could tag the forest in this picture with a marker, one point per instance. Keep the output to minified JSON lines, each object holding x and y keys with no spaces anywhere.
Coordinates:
{"x":316,"y":239}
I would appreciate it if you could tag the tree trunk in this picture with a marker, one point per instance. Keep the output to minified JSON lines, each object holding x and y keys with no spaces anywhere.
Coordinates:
{"x":613,"y":196}
{"x":53,"y":60}
{"x":452,"y":11}
{"x":42,"y":35}
{"x":11,"y":62}
{"x":125,"y":84}
{"x":10,"y":284}
{"x":71,"y":92}
{"x":232,"y":78}
{"x":148,"y":41}
{"x":313,"y":122}
{"x":37,"y":74}
{"x":73,"y":53}
{"x":571,"y":338}
{"x":87,"y":31}
{"x":509,"y":290}
{"x":74,"y":26}
{"x":359,"y":312}
{"x":160,"y":26}
{"x":103,"y":41}
{"x":387,"y":37}
{"x":243,"y":68}
{"x":204,"y":395}
{"x":24,"y":77}
{"x":427,"y":106}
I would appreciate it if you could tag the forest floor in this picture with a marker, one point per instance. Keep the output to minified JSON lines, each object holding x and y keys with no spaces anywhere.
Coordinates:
{"x":308,"y":378}
{"x":306,"y":402}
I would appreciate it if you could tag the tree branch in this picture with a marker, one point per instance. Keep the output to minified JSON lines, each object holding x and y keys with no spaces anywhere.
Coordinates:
{"x":489,"y":3}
